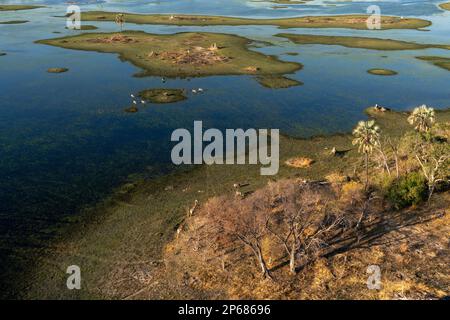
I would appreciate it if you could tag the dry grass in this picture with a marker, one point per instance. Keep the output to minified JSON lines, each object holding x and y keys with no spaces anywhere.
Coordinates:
{"x":299,"y":162}
{"x":411,"y":248}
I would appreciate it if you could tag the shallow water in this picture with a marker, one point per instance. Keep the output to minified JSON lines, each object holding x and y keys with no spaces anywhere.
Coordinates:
{"x":65,"y":141}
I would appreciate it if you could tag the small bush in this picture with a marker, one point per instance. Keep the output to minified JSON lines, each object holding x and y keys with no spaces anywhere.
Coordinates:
{"x":408,"y":190}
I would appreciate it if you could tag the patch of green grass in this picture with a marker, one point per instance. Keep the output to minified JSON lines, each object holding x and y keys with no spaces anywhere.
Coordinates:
{"x":382,"y":72}
{"x":359,"y":42}
{"x":180,"y":54}
{"x":7,"y":7}
{"x":340,"y":21}
{"x":277,"y":82}
{"x":441,"y":62}
{"x":163,"y":95}
{"x":14,"y":22}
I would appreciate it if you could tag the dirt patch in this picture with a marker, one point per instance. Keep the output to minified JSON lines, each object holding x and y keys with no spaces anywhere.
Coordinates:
{"x":198,"y":56}
{"x":117,"y":38}
{"x":299,"y":162}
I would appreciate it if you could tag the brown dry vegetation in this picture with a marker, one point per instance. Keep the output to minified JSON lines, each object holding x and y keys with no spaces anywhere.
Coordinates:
{"x":299,"y":239}
{"x":206,"y":260}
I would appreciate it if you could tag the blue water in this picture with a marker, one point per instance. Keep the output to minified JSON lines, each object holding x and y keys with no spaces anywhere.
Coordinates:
{"x":65,"y":141}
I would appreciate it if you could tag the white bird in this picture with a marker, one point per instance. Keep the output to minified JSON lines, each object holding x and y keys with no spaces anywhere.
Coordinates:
{"x":132,"y":95}
{"x":134,"y":102}
{"x":194,"y":91}
{"x":200,"y":90}
{"x":142,"y":101}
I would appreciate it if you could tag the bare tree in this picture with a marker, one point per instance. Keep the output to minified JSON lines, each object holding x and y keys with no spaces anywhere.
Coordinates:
{"x":302,"y":222}
{"x":247,"y":221}
{"x":434,"y":160}
{"x":380,"y":147}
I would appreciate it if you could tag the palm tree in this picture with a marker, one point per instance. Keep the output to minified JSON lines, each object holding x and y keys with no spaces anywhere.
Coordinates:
{"x":120,"y":20}
{"x":367,"y":136}
{"x":422,"y":118}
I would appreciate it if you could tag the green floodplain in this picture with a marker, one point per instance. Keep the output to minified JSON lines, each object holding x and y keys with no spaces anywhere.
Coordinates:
{"x":180,"y":54}
{"x":360,"y":42}
{"x":136,"y":222}
{"x":10,"y":7}
{"x":437,"y":61}
{"x":339,"y":21}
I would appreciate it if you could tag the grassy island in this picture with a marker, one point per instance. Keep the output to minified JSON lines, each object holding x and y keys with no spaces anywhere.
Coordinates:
{"x":7,"y":7}
{"x":277,"y":82}
{"x":181,"y":54}
{"x":437,"y":61}
{"x":14,"y":22}
{"x":359,"y":42}
{"x":57,"y":70}
{"x":445,"y":6}
{"x":382,"y":72}
{"x":340,"y":21}
{"x":163,"y":95}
